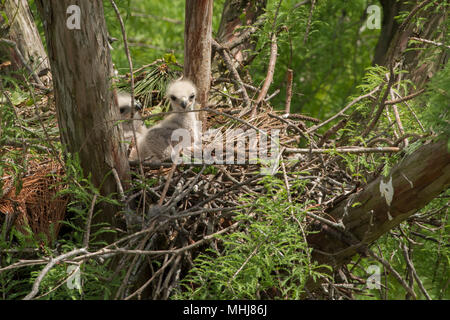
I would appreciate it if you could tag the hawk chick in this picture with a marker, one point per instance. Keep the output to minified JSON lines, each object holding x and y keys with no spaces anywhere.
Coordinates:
{"x":155,"y":143}
{"x":124,"y":103}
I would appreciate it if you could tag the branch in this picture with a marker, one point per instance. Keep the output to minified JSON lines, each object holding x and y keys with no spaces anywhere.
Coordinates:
{"x":270,"y":72}
{"x":386,"y":202}
{"x":344,"y":150}
{"x":272,"y":63}
{"x":130,"y":64}
{"x":24,"y":62}
{"x":396,"y":275}
{"x":230,"y":45}
{"x":438,"y":44}
{"x":341,"y":113}
{"x":409,"y":97}
{"x":289,"y":78}
{"x":382,"y":105}
{"x":226,"y":58}
{"x":47,"y":268}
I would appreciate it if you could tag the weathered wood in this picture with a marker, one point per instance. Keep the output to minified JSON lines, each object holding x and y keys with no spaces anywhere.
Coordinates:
{"x":235,"y":15}
{"x":23,"y":31}
{"x":82,"y":69}
{"x":370,"y":213}
{"x":394,"y":40}
{"x":197,"y":48}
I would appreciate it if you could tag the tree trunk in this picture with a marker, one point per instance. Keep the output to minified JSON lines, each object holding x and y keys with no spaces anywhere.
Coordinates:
{"x":393,"y":43}
{"x":237,"y":14}
{"x":23,"y":31}
{"x":82,"y":72}
{"x":383,"y":204}
{"x":389,"y":27}
{"x":197,"y":47}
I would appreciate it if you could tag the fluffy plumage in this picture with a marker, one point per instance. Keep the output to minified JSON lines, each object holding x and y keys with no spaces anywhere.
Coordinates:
{"x":124,"y":102}
{"x":155,"y":143}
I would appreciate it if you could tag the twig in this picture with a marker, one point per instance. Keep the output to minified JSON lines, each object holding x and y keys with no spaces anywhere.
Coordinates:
{"x":398,"y":121}
{"x":130,"y":64}
{"x":87,"y":232}
{"x":289,"y":78}
{"x":330,"y":132}
{"x":47,"y":268}
{"x":233,"y":43}
{"x":30,"y":143}
{"x":393,"y":272}
{"x":288,"y":190}
{"x":297,"y":116}
{"x":438,"y":44}
{"x":62,"y":282}
{"x":270,"y":72}
{"x":408,"y":97}
{"x":144,"y":15}
{"x":107,"y":251}
{"x":226,"y":58}
{"x":341,"y":113}
{"x":272,"y":95}
{"x":413,"y":270}
{"x":382,"y":105}
{"x":272,"y":62}
{"x":146,"y":284}
{"x":119,"y":185}
{"x":404,"y":99}
{"x":24,"y":62}
{"x":166,"y":186}
{"x":344,"y":150}
{"x":290,"y":124}
{"x":308,"y":26}
{"x":300,"y":4}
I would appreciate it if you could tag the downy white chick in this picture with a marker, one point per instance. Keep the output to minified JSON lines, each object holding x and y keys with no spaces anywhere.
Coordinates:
{"x":155,"y":144}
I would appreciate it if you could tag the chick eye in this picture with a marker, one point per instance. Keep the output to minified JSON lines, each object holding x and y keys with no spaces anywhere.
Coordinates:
{"x":173,"y":98}
{"x":122,"y":110}
{"x":192,"y":96}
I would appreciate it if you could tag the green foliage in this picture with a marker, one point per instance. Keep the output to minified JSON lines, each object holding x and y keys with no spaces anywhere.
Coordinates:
{"x":437,"y":112}
{"x":154,"y":28}
{"x":430,"y":255}
{"x":98,"y":280}
{"x":153,"y":81}
{"x":269,"y":258}
{"x":82,"y":192}
{"x":329,"y":65}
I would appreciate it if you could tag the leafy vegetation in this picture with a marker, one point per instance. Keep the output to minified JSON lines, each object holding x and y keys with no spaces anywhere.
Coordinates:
{"x":267,"y":255}
{"x":266,"y":259}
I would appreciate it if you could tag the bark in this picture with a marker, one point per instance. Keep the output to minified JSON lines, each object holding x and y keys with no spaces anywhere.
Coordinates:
{"x":368,"y":214}
{"x":82,"y":69}
{"x":393,"y":42}
{"x":23,"y":31}
{"x":235,"y":15}
{"x":394,"y":45}
{"x":389,"y":27}
{"x":197,"y":47}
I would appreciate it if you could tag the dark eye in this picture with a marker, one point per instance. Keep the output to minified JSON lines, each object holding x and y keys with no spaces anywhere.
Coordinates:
{"x":123,"y":110}
{"x":192,"y":96}
{"x":173,"y":98}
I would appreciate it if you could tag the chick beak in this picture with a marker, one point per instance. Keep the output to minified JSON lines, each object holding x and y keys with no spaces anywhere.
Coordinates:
{"x":184,"y":103}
